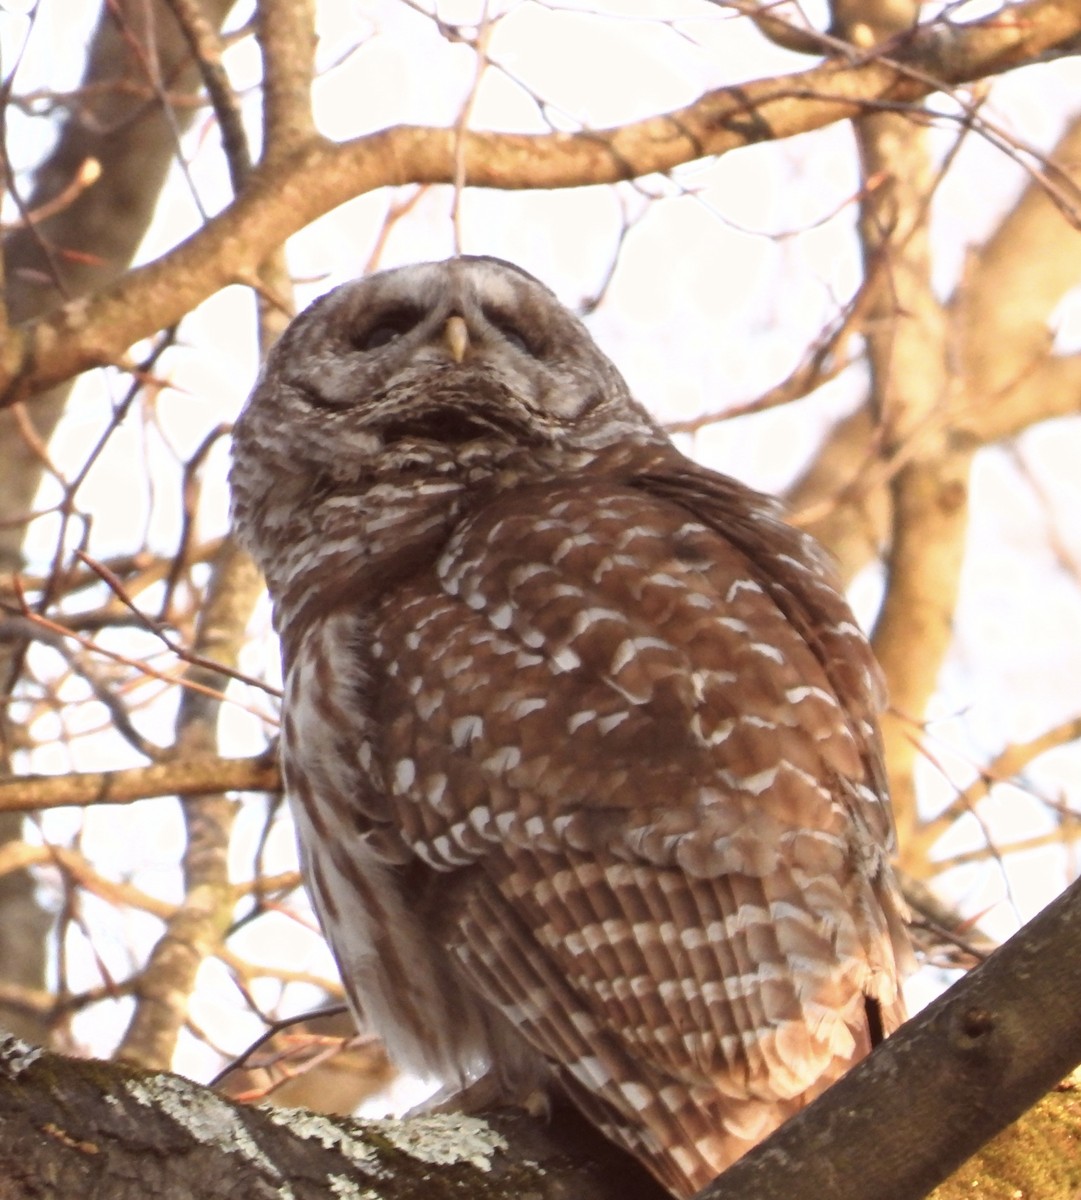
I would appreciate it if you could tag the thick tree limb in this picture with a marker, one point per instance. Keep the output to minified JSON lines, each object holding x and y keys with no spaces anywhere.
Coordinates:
{"x":319,"y":175}
{"x":1000,"y":335}
{"x":1013,"y":286}
{"x":286,"y":32}
{"x":907,"y":352}
{"x":107,"y":1132}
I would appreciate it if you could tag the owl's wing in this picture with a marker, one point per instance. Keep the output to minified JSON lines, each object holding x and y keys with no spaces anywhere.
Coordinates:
{"x":800,"y":578}
{"x":644,"y":753}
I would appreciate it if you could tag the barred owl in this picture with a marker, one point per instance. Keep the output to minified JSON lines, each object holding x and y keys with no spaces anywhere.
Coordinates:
{"x":579,"y":736}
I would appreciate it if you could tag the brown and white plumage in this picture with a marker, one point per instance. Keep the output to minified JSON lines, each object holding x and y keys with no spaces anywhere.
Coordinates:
{"x":579,"y":736}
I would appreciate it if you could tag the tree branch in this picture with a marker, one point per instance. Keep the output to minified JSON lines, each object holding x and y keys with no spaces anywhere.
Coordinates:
{"x":1012,"y":287}
{"x":286,"y":33}
{"x":318,"y":175}
{"x":108,"y":1132}
{"x":198,"y":776}
{"x":906,"y":340}
{"x":198,"y":926}
{"x":1004,"y":767}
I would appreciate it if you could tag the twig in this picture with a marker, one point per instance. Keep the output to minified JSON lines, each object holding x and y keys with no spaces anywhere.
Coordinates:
{"x":190,"y":777}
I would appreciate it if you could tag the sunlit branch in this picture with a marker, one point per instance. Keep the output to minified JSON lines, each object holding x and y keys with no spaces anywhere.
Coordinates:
{"x":16,"y":855}
{"x":1060,"y":836}
{"x":86,"y":176}
{"x":285,"y":30}
{"x":206,"y":44}
{"x":192,"y":777}
{"x":53,"y":627}
{"x":1003,"y":768}
{"x":318,"y":175}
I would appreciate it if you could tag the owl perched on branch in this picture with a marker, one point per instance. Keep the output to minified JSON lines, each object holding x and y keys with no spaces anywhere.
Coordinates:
{"x":579,"y":736}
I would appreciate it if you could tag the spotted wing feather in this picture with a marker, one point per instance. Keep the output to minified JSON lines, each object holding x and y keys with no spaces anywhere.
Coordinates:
{"x":606,"y":723}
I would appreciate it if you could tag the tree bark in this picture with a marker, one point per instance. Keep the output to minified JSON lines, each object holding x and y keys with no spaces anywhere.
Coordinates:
{"x":109,"y":1132}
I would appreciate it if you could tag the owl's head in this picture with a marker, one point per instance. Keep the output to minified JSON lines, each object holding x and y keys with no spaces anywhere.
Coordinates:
{"x":434,"y":361}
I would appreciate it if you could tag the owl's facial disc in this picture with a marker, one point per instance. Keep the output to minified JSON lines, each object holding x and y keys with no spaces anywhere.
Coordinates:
{"x":452,"y":354}
{"x":465,"y":394}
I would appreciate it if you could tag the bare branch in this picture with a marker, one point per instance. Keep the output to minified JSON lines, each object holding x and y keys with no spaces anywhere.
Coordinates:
{"x":206,"y":47}
{"x":197,"y":928}
{"x":1012,"y":287}
{"x":195,"y":776}
{"x":107,"y":1132}
{"x":318,"y":176}
{"x":286,"y":33}
{"x":1001,"y":769}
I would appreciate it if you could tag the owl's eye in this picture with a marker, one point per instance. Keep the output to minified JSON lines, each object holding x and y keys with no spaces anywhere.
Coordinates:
{"x":387,"y":327}
{"x":512,"y":331}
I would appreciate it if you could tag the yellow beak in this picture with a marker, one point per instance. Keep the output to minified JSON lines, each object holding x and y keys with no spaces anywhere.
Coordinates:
{"x":456,"y":336}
